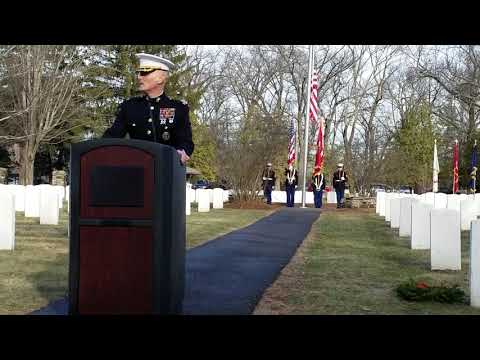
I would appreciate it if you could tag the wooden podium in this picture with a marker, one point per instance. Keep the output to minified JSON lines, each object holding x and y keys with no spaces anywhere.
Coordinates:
{"x":127,"y":228}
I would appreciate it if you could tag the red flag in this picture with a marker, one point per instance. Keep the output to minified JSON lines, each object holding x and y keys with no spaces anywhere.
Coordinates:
{"x":320,"y":145}
{"x":455,"y":167}
{"x":318,"y":123}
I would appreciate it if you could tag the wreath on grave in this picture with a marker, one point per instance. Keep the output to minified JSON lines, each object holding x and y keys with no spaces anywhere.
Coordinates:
{"x":412,"y":290}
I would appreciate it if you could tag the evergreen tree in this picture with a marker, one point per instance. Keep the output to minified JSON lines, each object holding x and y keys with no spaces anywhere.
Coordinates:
{"x":411,"y":159}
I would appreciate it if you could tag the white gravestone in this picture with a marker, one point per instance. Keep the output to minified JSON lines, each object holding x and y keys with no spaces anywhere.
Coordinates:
{"x":377,"y":203}
{"x":7,"y":222}
{"x":395,"y":213}
{"x":468,"y":213}
{"x":440,"y":201}
{"x":67,"y":197}
{"x":331,"y":197}
{"x":388,"y":198}
{"x":420,"y":238}
{"x":453,"y":202}
{"x":279,"y":197}
{"x":445,"y":243}
{"x":203,"y":200}
{"x":19,"y":192}
{"x":388,"y":205}
{"x":381,"y":203}
{"x":61,"y":195}
{"x":430,"y":198}
{"x":188,"y":209}
{"x":475,"y":264}
{"x":298,"y":197}
{"x":7,"y":189}
{"x":49,"y":210}
{"x":476,"y":198}
{"x":217,"y":198}
{"x":192,"y":195}
{"x":32,"y":201}
{"x":405,"y":228}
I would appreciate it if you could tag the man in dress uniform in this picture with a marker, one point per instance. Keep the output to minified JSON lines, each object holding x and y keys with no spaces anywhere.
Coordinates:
{"x":318,"y":185}
{"x":339,"y":180}
{"x":291,"y":180}
{"x":268,"y":178}
{"x":154,"y":116}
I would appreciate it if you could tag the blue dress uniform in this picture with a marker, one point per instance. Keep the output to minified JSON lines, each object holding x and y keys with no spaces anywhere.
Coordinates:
{"x":318,"y":185}
{"x":339,"y":183}
{"x":268,"y":177}
{"x":159,"y":119}
{"x":290,"y":185}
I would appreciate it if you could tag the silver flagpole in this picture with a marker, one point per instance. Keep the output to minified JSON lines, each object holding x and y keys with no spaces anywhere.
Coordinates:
{"x":475,"y":178}
{"x":305,"y":154}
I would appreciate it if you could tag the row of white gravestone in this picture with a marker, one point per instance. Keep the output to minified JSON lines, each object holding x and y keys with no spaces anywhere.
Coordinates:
{"x":204,"y":197}
{"x":435,"y":221}
{"x":280,"y":197}
{"x":42,"y":201}
{"x":27,"y":198}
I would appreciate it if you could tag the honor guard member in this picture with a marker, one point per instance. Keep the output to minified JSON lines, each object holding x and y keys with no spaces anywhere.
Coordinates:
{"x":291,"y":180}
{"x":318,"y":185}
{"x":339,"y":181}
{"x":268,"y":178}
{"x":154,"y":116}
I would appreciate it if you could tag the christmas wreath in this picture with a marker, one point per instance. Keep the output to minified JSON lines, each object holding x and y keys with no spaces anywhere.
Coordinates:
{"x":421,"y":291}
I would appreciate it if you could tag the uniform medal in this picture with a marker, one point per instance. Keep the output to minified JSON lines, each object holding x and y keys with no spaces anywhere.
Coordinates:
{"x":166,"y":114}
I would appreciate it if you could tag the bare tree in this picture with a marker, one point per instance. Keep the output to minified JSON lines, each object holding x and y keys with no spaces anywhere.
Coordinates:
{"x":42,"y":86}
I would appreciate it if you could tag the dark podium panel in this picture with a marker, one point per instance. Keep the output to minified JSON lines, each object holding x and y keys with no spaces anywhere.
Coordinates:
{"x":127,"y":228}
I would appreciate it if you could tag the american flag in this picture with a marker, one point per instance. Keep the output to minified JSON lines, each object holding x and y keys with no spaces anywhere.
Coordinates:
{"x":313,"y":99}
{"x":291,"y":146}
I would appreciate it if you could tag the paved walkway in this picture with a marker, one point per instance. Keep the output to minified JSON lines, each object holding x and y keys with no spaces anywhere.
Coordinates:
{"x":228,"y":275}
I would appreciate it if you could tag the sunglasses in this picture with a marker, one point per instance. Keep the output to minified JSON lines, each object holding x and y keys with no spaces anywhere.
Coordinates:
{"x":146,"y":72}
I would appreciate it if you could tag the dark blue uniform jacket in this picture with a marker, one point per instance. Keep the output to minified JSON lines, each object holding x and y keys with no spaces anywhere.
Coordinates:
{"x":161,"y":119}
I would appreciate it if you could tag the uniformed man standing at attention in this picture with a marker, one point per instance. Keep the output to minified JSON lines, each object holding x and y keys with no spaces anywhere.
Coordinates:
{"x":154,"y":116}
{"x":339,"y":183}
{"x":268,"y":178}
{"x":318,"y":185}
{"x":291,"y":180}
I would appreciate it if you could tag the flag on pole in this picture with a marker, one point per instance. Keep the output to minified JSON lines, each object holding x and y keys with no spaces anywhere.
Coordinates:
{"x":320,"y":145}
{"x":313,"y":99}
{"x":436,"y":168}
{"x":318,"y":123}
{"x":473,"y":170}
{"x":455,"y":167}
{"x":292,"y":144}
{"x":311,"y":61}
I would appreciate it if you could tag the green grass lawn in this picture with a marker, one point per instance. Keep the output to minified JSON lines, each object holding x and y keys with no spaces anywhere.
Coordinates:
{"x":353,"y":263}
{"x":36,"y":272}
